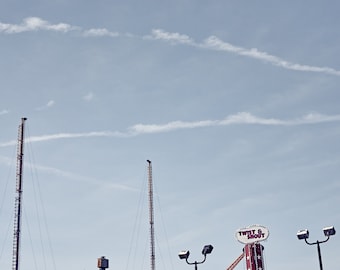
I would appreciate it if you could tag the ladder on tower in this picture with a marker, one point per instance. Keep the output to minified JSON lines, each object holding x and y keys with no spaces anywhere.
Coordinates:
{"x":18,"y":199}
{"x":236,"y":262}
{"x":151,"y":217}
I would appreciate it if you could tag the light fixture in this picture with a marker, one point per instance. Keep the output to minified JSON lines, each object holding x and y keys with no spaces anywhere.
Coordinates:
{"x":184,"y":254}
{"x":302,"y":234}
{"x":207,"y":249}
{"x":103,"y":263}
{"x":328,"y":231}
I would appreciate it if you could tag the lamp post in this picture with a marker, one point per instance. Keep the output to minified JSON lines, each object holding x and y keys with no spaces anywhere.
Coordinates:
{"x":207,"y":249}
{"x":304,"y":234}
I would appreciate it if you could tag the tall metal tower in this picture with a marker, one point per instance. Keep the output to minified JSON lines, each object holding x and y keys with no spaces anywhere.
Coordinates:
{"x":18,"y":198}
{"x":151,"y":218}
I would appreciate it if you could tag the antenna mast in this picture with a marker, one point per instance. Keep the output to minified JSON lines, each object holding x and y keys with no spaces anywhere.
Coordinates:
{"x":151,"y":217}
{"x":18,"y":198}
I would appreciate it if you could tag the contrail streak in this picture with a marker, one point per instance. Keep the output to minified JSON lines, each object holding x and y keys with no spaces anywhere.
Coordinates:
{"x":242,"y":118}
{"x":211,"y":43}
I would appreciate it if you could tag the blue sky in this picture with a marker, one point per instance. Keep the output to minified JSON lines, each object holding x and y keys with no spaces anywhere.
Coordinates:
{"x":235,"y":103}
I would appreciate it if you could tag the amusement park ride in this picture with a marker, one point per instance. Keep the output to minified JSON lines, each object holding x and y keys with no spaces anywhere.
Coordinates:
{"x":253,"y":250}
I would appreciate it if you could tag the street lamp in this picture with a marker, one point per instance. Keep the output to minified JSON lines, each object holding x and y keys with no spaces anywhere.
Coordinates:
{"x":207,"y":249}
{"x":304,"y":234}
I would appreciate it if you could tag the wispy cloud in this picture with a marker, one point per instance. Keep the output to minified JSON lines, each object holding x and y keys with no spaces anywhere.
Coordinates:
{"x":215,"y":43}
{"x":83,"y":179}
{"x":89,"y":96}
{"x":239,"y":118}
{"x":99,"y":32}
{"x":242,"y":118}
{"x":50,"y":103}
{"x":210,"y":43}
{"x":4,"y":112}
{"x":71,"y":176}
{"x":35,"y":24}
{"x":174,"y":38}
{"x":59,"y":136}
{"x":46,"y":106}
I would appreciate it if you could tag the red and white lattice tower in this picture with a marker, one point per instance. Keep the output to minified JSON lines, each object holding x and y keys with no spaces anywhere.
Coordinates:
{"x":254,"y":256}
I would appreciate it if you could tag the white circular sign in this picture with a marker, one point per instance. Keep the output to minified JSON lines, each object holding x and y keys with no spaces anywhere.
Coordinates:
{"x":252,"y":234}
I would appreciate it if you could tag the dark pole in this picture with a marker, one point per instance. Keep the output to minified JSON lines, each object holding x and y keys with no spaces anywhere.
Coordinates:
{"x":327,"y":231}
{"x":196,"y":262}
{"x":319,"y":254}
{"x":317,"y":243}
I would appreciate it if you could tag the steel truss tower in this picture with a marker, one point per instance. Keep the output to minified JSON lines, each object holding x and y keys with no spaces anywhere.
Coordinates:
{"x":18,"y":198}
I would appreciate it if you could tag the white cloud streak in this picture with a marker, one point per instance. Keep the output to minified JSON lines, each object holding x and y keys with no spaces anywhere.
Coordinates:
{"x":242,"y":118}
{"x":211,"y":43}
{"x":72,"y":176}
{"x":88,"y":97}
{"x":239,"y":118}
{"x":175,"y":38}
{"x":215,"y":43}
{"x":35,"y":24}
{"x":100,"y":32}
{"x":49,"y":104}
{"x":83,"y":179}
{"x":4,"y":112}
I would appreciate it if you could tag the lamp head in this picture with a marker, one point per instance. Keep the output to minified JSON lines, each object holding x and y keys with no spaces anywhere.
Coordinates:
{"x":328,"y":231}
{"x":207,"y":249}
{"x":302,"y":234}
{"x":184,"y":254}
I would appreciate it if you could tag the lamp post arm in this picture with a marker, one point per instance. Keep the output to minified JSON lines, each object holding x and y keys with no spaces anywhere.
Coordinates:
{"x":205,"y":257}
{"x":196,"y":262}
{"x":317,"y":242}
{"x":186,"y":259}
{"x":324,"y":241}
{"x":191,"y":263}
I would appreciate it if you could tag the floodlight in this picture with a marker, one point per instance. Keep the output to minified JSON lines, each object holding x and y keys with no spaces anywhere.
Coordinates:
{"x":103,"y":263}
{"x":207,"y":249}
{"x":302,"y":234}
{"x":184,"y":254}
{"x":328,"y":231}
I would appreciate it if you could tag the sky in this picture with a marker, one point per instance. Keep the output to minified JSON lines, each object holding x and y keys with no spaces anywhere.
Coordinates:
{"x":236,"y":103}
